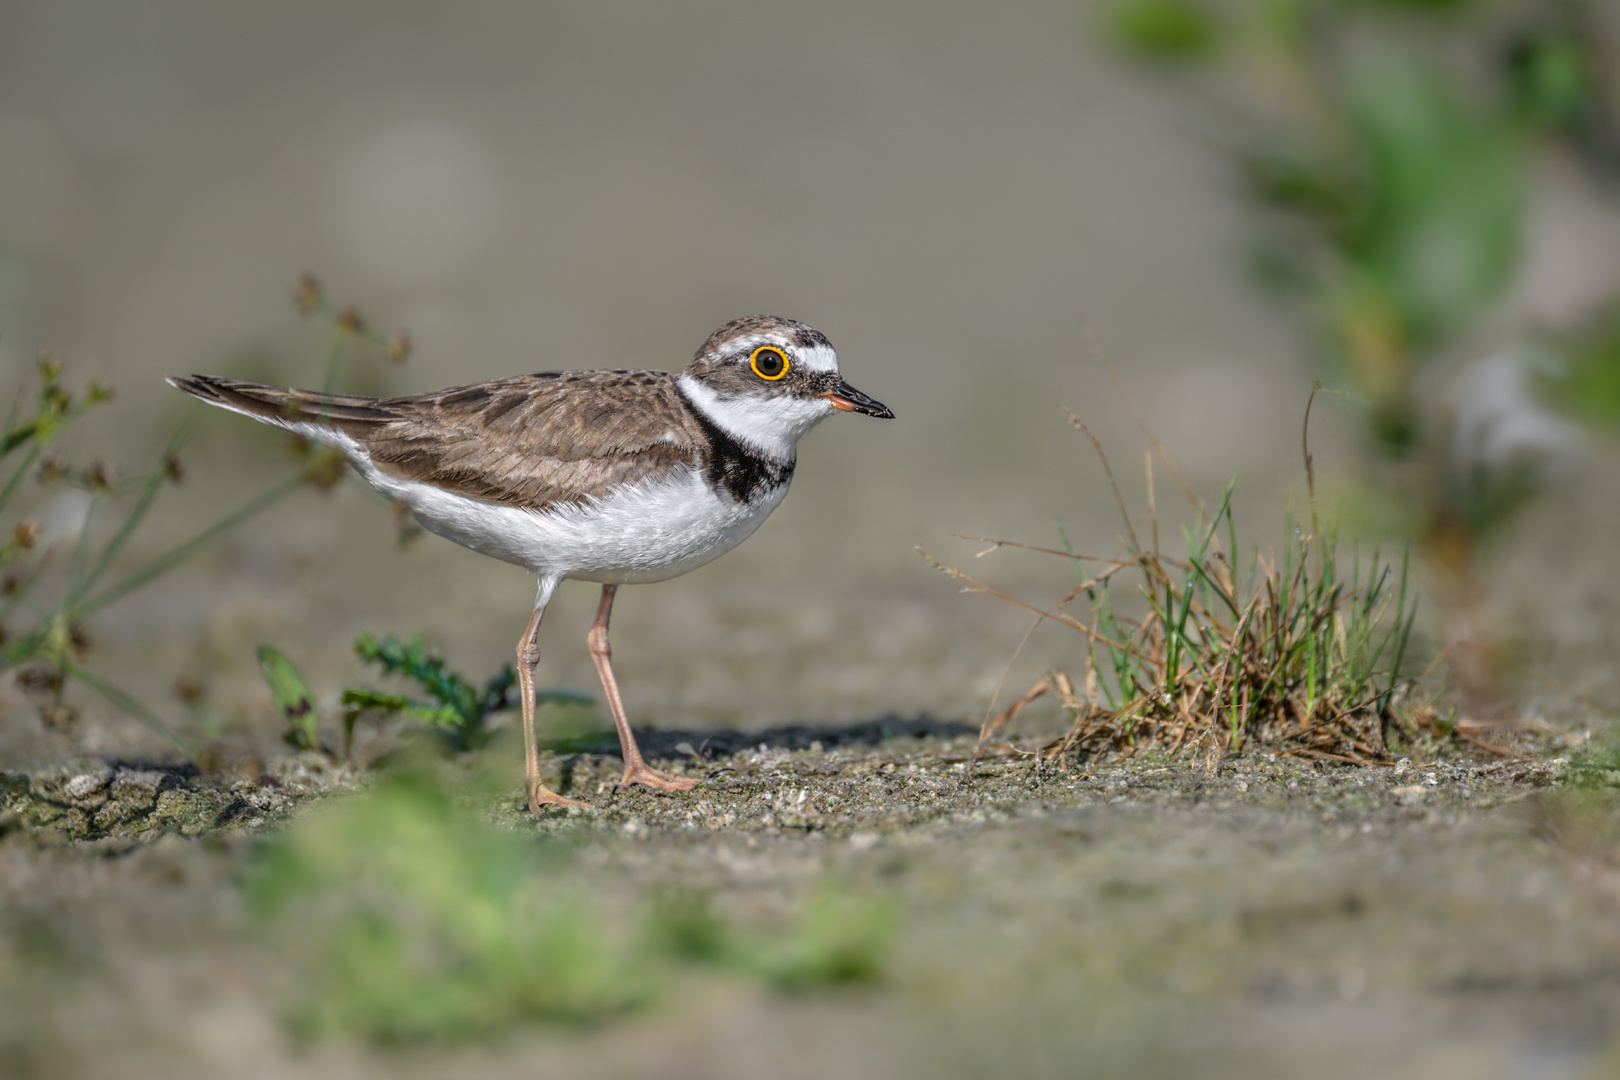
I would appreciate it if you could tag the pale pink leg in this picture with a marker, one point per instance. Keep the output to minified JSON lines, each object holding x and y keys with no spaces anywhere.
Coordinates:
{"x":636,"y":771}
{"x":528,"y":658}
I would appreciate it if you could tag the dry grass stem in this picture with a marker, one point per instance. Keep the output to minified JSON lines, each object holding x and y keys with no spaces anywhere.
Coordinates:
{"x":1301,"y":654}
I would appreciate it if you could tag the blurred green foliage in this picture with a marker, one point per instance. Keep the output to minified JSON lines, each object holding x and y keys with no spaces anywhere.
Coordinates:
{"x":1392,"y":145}
{"x":1437,"y":199}
{"x":1164,"y":29}
{"x":839,"y":938}
{"x":1414,"y":5}
{"x":1596,"y":766}
{"x":415,"y":919}
{"x":1588,"y":384}
{"x":407,"y":915}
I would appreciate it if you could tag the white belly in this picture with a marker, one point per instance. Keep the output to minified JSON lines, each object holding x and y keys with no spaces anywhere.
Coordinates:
{"x":653,"y":530}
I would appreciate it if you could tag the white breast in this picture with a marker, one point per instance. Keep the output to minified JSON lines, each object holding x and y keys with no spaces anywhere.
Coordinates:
{"x":649,"y":531}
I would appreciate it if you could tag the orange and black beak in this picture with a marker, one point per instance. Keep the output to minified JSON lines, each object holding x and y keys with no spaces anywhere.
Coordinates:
{"x":848,"y":399}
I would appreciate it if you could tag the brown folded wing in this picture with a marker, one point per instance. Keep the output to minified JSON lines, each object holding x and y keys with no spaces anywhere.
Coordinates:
{"x":535,"y":440}
{"x":529,"y":440}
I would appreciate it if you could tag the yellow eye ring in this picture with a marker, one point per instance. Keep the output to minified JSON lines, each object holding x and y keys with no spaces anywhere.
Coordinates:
{"x":775,"y":363}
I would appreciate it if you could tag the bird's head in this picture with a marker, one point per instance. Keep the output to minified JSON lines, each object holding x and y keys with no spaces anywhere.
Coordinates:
{"x":766,"y":381}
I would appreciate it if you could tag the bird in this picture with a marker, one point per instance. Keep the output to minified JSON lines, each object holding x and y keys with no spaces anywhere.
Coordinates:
{"x":617,"y":477}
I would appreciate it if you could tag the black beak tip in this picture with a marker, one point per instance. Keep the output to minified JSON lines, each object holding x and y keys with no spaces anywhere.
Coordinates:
{"x":855,"y":401}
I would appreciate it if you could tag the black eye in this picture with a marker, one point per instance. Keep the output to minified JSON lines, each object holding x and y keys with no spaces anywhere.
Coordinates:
{"x":769,"y":362}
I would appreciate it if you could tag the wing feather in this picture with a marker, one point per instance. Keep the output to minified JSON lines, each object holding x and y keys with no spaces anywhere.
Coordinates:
{"x":534,"y":440}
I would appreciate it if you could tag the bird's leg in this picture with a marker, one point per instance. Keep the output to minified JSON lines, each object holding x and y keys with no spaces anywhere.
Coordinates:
{"x":528,"y":658}
{"x":636,"y":770}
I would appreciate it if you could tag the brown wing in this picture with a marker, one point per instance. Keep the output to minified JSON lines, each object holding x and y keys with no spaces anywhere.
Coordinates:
{"x":528,"y":440}
{"x":535,"y":440}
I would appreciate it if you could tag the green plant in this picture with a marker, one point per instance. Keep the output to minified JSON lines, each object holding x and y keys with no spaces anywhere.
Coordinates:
{"x":410,"y":918}
{"x":51,"y":650}
{"x":1596,"y":766}
{"x":406,"y":916}
{"x":455,"y":705}
{"x":1301,"y":653}
{"x":292,"y":698}
{"x":838,"y":938}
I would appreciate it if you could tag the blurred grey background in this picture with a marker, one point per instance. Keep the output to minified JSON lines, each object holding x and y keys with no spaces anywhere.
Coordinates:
{"x":952,"y":192}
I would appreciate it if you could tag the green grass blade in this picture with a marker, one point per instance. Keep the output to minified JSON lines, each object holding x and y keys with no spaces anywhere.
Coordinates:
{"x":292,"y":698}
{"x":334,"y":360}
{"x":81,"y":585}
{"x":148,"y":493}
{"x":21,"y":471}
{"x":81,"y":548}
{"x":130,"y":705}
{"x":177,"y":555}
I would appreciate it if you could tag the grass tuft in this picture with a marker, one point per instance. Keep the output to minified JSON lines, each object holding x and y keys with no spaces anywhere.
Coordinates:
{"x":1299,"y":652}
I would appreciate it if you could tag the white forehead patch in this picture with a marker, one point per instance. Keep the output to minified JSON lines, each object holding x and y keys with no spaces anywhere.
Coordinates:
{"x":818,"y":358}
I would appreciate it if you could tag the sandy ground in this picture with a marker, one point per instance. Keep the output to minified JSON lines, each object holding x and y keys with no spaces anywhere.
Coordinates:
{"x":1263,"y":916}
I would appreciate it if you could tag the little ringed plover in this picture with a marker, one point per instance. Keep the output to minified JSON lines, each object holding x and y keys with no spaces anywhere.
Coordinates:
{"x":615,"y":477}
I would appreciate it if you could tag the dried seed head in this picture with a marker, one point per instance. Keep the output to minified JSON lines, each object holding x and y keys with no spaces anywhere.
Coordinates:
{"x":100,"y":476}
{"x":52,"y":469}
{"x":350,"y":320}
{"x":325,"y":468}
{"x":174,"y":468}
{"x":307,"y":294}
{"x":25,"y":533}
{"x":57,"y":716}
{"x":98,"y":391}
{"x":12,"y":582}
{"x":190,"y":689}
{"x":49,"y":366}
{"x":399,"y":347}
{"x":39,"y":678}
{"x":79,"y":639}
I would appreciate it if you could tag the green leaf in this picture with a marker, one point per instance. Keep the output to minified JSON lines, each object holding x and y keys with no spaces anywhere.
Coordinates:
{"x":360,"y":700}
{"x":1164,"y":30}
{"x":463,"y":704}
{"x":22,"y":433}
{"x":1443,"y":200}
{"x":375,"y":701}
{"x":1588,"y":386}
{"x":1548,"y":75}
{"x":292,"y":697}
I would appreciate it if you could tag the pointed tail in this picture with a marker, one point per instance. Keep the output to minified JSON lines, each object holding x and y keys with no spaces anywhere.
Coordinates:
{"x":280,"y":405}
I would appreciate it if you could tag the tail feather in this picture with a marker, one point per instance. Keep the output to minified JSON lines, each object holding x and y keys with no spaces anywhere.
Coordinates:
{"x":281,"y":405}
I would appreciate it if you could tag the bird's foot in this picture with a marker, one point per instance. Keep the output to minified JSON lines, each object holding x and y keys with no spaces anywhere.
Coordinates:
{"x":641,"y":774}
{"x":542,"y":796}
